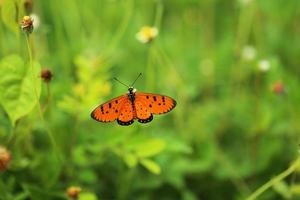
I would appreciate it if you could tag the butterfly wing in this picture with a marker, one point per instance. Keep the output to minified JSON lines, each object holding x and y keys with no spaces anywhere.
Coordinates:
{"x":110,"y":110}
{"x":127,"y":113}
{"x":147,"y":104}
{"x":143,"y":112}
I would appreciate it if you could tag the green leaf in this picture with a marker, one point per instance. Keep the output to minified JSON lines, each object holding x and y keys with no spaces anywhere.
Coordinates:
{"x":17,"y":93}
{"x":150,"y":148}
{"x":151,"y":165}
{"x":88,"y":176}
{"x":9,"y":15}
{"x":87,"y":196}
{"x":130,"y":159}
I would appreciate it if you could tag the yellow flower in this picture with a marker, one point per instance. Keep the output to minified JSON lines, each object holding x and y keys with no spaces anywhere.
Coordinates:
{"x":147,"y":34}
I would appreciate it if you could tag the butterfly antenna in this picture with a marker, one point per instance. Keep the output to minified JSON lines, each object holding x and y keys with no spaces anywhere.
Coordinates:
{"x":136,"y":79}
{"x":120,"y":82}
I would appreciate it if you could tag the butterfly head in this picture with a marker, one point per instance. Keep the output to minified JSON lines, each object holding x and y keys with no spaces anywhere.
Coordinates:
{"x":131,"y":90}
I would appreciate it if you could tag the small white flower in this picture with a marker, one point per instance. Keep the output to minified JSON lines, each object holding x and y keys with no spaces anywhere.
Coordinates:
{"x":36,"y":20}
{"x":264,"y":65}
{"x":249,"y":53}
{"x":147,"y":34}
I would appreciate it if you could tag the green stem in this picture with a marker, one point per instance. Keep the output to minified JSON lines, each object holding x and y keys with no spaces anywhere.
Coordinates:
{"x":150,"y":72}
{"x":32,"y":74}
{"x":159,"y":14}
{"x":121,"y":29}
{"x":235,"y":178}
{"x":274,"y":180}
{"x":37,"y":97}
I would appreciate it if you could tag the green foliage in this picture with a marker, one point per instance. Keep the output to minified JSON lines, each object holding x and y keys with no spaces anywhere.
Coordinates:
{"x":17,"y":95}
{"x":233,"y":134}
{"x":9,"y":14}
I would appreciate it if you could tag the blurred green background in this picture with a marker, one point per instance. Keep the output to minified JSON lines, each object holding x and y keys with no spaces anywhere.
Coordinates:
{"x":232,"y":66}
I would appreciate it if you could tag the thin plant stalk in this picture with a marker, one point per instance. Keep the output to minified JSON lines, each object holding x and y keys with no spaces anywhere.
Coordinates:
{"x":36,"y":95}
{"x":274,"y":180}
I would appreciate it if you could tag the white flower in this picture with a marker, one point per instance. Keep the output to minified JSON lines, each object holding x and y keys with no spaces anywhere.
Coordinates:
{"x":36,"y":20}
{"x":249,"y":53}
{"x":264,"y":65}
{"x":147,"y":34}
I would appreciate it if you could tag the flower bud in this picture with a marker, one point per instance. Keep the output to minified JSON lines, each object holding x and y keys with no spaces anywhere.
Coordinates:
{"x":278,"y":87}
{"x":73,"y":192}
{"x":46,"y":75}
{"x":5,"y":158}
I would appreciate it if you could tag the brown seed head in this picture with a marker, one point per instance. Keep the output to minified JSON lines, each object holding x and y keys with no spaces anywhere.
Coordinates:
{"x":73,"y":192}
{"x":5,"y":158}
{"x":46,"y":75}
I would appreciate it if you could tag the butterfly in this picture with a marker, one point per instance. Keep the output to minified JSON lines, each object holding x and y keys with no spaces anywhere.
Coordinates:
{"x":133,"y":106}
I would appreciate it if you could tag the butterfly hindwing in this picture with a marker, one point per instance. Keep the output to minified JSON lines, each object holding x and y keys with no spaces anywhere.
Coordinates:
{"x":143,"y":113}
{"x":155,"y":103}
{"x":127,"y":114}
{"x":110,"y":110}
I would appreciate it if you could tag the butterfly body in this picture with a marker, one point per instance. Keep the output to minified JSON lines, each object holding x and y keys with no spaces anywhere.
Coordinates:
{"x":133,"y":106}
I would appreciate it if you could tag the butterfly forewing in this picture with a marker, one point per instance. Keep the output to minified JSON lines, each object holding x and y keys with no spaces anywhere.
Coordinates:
{"x":110,"y":110}
{"x":155,"y":103}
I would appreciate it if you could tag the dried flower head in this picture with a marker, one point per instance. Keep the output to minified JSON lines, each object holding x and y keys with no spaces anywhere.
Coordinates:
{"x":278,"y":87}
{"x":46,"y":75}
{"x":27,"y":24}
{"x":5,"y":158}
{"x":73,"y":192}
{"x":147,"y":34}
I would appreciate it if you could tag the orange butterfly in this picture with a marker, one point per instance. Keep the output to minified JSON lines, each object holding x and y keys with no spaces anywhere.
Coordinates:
{"x":133,"y":105}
